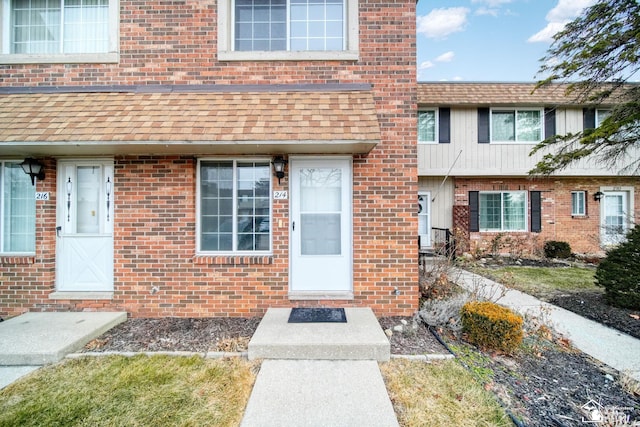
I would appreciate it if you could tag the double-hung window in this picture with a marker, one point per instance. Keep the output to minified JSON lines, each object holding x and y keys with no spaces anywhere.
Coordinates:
{"x":287,"y":29}
{"x":59,"y":31}
{"x":234,"y":206}
{"x":522,"y":125}
{"x":17,"y":210}
{"x":601,"y":115}
{"x":503,"y":211}
{"x":578,"y":203}
{"x":427,"y":126}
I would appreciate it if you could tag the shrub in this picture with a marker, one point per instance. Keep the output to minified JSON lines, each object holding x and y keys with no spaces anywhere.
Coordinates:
{"x":555,"y":249}
{"x":491,"y":326}
{"x":619,"y":273}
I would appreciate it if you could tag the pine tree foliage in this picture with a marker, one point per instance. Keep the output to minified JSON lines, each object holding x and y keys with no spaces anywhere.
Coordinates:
{"x":598,"y":55}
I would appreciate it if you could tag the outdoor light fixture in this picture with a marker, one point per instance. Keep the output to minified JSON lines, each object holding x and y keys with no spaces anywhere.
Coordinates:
{"x":278,"y":167}
{"x":33,"y":168}
{"x":597,"y":196}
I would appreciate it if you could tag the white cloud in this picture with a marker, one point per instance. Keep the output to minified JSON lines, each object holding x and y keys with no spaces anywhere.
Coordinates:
{"x":457,"y":79}
{"x":486,"y":11}
{"x":492,"y":3}
{"x":558,"y":17}
{"x":439,"y":23}
{"x":445,"y":57}
{"x":425,"y":65}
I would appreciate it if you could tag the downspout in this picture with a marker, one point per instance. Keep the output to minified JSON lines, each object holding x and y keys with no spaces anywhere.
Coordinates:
{"x":433,"y":199}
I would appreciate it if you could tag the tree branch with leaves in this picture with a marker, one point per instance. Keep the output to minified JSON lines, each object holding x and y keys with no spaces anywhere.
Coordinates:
{"x":597,"y":54}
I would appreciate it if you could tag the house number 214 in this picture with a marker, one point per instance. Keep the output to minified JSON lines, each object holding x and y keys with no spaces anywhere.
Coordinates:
{"x":280,"y":195}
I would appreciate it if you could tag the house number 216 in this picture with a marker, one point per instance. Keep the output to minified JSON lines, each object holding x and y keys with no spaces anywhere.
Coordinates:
{"x":280,"y":195}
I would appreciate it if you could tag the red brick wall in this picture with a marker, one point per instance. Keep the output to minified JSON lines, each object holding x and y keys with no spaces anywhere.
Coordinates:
{"x":175,"y":43}
{"x":582,"y":233}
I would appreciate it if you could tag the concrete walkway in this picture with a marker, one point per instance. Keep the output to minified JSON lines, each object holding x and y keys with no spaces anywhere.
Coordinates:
{"x":31,"y":340}
{"x":611,"y":347}
{"x":319,"y":374}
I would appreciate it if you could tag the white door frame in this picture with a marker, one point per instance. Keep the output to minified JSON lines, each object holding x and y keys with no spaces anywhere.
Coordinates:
{"x":84,"y":258}
{"x":321,"y":276}
{"x":607,"y":239}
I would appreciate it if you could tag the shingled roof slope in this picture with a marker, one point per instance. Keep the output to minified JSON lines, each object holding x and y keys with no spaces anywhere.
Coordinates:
{"x":217,"y":116}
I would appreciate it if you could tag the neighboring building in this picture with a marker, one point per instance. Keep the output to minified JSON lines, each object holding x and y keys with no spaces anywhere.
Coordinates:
{"x":474,"y":141}
{"x":157,"y":122}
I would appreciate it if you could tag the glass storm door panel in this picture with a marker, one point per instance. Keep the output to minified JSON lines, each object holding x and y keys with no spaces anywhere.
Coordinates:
{"x":84,"y":259}
{"x":321,"y":259}
{"x":613,"y":218}
{"x":424,"y":219}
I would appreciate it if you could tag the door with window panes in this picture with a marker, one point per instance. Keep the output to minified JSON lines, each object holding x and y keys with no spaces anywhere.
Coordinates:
{"x":84,"y":259}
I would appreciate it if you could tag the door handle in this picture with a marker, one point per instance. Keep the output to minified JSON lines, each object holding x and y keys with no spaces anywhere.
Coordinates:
{"x":293,"y":226}
{"x":58,"y":230}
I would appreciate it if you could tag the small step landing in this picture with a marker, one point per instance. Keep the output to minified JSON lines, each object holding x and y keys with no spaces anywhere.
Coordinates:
{"x":360,"y":338}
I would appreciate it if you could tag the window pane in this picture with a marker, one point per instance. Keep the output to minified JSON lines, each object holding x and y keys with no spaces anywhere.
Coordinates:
{"x":260,"y":25}
{"x":503,"y":126}
{"x":35,"y":26}
{"x":19,"y":210}
{"x":601,"y":115}
{"x":578,"y":203}
{"x":514,"y":211}
{"x":490,"y":211}
{"x":427,"y":126}
{"x":529,"y":126}
{"x":216,"y":206}
{"x":252,"y":225}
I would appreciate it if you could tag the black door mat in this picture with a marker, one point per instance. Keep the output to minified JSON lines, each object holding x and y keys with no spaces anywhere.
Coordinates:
{"x":317,"y":315}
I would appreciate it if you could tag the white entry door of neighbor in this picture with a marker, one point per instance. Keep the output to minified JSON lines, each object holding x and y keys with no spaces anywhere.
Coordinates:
{"x":321,"y":226}
{"x":614,"y":220}
{"x":84,"y":256}
{"x":424,"y":219}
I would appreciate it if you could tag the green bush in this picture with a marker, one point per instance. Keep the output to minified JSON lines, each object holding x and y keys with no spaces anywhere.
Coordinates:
{"x":491,"y":326}
{"x":555,"y":249}
{"x":619,"y":273}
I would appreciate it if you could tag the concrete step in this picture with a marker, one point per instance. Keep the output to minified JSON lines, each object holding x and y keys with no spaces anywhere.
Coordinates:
{"x":319,"y":393}
{"x":41,"y":338}
{"x":360,"y":338}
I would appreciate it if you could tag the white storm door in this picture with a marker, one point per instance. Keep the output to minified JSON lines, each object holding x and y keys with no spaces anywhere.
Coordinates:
{"x":613,"y":218}
{"x":84,"y":257}
{"x":321,"y":225}
{"x":424,"y":219}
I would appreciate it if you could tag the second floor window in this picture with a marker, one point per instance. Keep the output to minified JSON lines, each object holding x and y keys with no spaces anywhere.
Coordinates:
{"x":516,"y":125}
{"x":289,"y":25}
{"x":427,"y":129}
{"x":59,"y":26}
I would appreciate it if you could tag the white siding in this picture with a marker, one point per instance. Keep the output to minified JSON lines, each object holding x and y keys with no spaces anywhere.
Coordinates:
{"x":442,"y":206}
{"x":495,"y":159}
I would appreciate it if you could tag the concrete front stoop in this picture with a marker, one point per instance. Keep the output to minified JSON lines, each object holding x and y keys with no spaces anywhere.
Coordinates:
{"x":319,"y":374}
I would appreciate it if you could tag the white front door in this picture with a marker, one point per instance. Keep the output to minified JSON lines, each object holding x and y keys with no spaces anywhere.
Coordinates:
{"x":614,"y":217}
{"x":424,"y":219}
{"x":84,"y":256}
{"x":320,"y":225}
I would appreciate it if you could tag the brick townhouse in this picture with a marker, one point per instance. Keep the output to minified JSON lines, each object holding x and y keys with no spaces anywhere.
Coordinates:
{"x":207,"y":158}
{"x":474,"y":141}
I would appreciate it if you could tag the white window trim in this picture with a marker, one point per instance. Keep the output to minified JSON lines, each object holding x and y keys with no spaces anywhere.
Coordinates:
{"x":2,"y":206}
{"x":235,"y":161}
{"x":515,"y":110}
{"x":225,"y":40}
{"x":112,"y":56}
{"x":527,"y":213}
{"x":584,"y":204}
{"x":437,"y":128}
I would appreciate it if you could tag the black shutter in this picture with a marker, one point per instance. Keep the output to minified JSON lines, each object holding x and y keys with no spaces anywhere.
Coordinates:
{"x":549,"y":122}
{"x":483,"y":125}
{"x":474,"y":211}
{"x":588,"y":118}
{"x":444,"y":126}
{"x":536,"y":211}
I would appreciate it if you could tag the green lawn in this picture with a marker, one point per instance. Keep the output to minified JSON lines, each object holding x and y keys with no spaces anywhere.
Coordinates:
{"x":543,"y":281}
{"x":130,"y":391}
{"x":192,"y":391}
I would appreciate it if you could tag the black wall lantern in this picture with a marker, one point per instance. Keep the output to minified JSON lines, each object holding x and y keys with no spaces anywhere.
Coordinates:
{"x":33,"y":168}
{"x":278,"y":167}
{"x":597,"y":196}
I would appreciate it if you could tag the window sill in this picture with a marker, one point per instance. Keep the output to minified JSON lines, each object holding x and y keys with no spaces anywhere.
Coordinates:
{"x":81,"y":295}
{"x":233,"y":260}
{"x":17,"y":259}
{"x":75,"y":58}
{"x":346,"y":55}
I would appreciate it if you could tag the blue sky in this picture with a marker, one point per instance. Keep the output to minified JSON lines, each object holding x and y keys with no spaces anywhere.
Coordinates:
{"x":488,"y":40}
